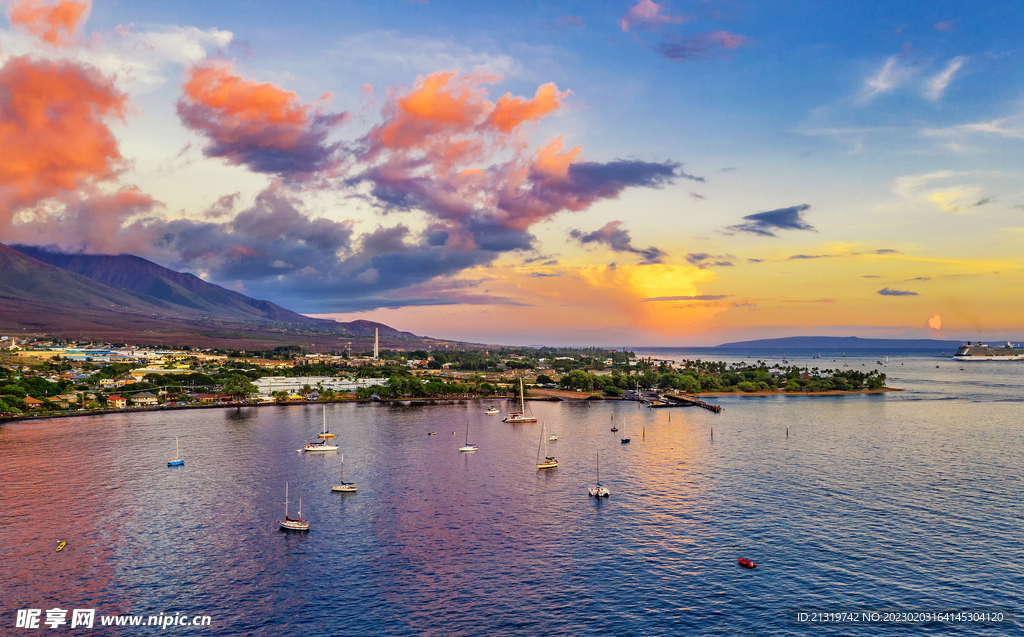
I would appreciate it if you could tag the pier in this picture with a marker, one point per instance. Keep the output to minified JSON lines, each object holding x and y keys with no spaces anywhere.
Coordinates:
{"x":681,"y":400}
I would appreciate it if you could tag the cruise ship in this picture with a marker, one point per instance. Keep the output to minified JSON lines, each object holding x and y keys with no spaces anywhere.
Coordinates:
{"x":981,"y":352}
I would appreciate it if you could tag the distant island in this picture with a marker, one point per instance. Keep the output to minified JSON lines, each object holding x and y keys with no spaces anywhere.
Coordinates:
{"x":842,"y":343}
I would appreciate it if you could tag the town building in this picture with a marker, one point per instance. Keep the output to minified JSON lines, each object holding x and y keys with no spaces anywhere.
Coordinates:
{"x":293,"y":384}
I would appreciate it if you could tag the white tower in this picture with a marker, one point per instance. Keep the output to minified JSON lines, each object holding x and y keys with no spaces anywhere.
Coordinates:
{"x":376,"y":342}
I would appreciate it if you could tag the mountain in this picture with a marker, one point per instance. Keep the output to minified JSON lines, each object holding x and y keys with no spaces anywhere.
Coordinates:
{"x":178,"y":293}
{"x":27,"y":279}
{"x":841,"y":343}
{"x":366,"y":328}
{"x":125,"y":298}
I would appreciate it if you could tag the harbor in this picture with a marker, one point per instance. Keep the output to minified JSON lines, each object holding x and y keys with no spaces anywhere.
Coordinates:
{"x":491,"y":534}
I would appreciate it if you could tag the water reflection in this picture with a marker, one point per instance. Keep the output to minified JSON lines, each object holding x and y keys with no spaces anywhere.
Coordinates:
{"x":438,"y":542}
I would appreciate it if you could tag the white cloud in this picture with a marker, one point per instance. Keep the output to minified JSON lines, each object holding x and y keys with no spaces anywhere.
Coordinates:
{"x":935,"y":87}
{"x":397,"y":55}
{"x":139,"y":61}
{"x":890,"y":76}
{"x":939,"y":189}
{"x":1011,"y":127}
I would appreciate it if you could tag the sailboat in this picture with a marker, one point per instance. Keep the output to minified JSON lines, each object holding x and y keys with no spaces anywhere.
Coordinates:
{"x":624,"y":439}
{"x":321,"y":445}
{"x":344,"y":487}
{"x":599,"y":491}
{"x":614,"y":428}
{"x":544,"y":461}
{"x":519,"y":416}
{"x":177,"y":460}
{"x":468,"y":447}
{"x":289,"y":523}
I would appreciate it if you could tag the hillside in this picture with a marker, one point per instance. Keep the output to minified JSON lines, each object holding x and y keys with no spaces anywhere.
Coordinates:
{"x":125,"y":298}
{"x":181,"y":294}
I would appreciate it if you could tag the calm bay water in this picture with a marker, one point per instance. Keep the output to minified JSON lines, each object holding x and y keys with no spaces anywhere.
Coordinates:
{"x":907,"y":500}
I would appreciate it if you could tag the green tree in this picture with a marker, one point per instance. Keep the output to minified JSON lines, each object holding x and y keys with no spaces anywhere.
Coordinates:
{"x":238,"y":386}
{"x":544,"y":379}
{"x":688,"y":384}
{"x":13,"y":390}
{"x":577,"y":379}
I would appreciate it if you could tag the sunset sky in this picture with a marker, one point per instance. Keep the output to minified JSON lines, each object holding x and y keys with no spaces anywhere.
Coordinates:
{"x":611,"y":173}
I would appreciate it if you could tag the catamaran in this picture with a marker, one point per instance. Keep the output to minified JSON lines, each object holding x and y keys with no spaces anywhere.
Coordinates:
{"x":544,"y":461}
{"x":599,"y":491}
{"x":321,"y":445}
{"x":177,"y":460}
{"x":468,"y":447}
{"x":519,"y":416}
{"x":289,"y":523}
{"x":344,"y":487}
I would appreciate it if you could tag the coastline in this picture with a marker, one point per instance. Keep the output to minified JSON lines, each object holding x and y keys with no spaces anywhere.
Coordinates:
{"x":542,"y":395}
{"x":831,"y":392}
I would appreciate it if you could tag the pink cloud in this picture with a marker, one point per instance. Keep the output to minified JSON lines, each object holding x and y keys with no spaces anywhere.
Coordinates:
{"x":445,"y":148}
{"x":261,"y":126}
{"x":646,"y":13}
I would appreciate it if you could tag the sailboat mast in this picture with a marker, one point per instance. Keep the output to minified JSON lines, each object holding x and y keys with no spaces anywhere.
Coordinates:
{"x":522,"y":397}
{"x":286,"y":500}
{"x":540,"y":444}
{"x":467,"y":432}
{"x":599,"y":467}
{"x":325,"y":419}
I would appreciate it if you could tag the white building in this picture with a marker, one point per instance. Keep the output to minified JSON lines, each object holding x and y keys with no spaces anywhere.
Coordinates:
{"x":270,"y":384}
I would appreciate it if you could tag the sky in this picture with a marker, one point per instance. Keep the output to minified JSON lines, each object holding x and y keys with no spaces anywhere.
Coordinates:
{"x":577,"y":173}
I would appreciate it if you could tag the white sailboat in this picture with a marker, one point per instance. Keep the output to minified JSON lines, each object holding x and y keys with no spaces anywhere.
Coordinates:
{"x":599,"y":491}
{"x":344,"y":487}
{"x":289,"y":523}
{"x":321,"y":445}
{"x":468,"y":447}
{"x":492,"y":410}
{"x":544,"y":461}
{"x":520,"y":416}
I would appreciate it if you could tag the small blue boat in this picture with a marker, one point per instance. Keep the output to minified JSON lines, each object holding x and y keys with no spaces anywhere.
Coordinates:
{"x":176,"y":461}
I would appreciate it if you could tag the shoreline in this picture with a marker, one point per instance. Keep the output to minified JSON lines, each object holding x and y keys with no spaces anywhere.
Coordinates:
{"x":554,"y":396}
{"x":831,"y":392}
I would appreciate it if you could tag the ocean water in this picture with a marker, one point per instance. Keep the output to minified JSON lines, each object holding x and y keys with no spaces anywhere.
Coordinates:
{"x":907,"y":501}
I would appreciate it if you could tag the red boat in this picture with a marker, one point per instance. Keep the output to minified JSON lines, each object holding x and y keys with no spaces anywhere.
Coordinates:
{"x":745,"y":563}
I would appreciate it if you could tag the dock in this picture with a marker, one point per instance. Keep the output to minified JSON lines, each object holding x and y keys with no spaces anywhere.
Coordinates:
{"x":681,"y":400}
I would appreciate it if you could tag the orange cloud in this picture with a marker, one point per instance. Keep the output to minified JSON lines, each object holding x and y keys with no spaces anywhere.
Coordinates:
{"x":441,"y":105}
{"x":53,"y":130}
{"x":257,"y":124}
{"x":215,"y":85}
{"x":934,"y":322}
{"x":54,"y":23}
{"x":510,"y":111}
{"x":431,"y":152}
